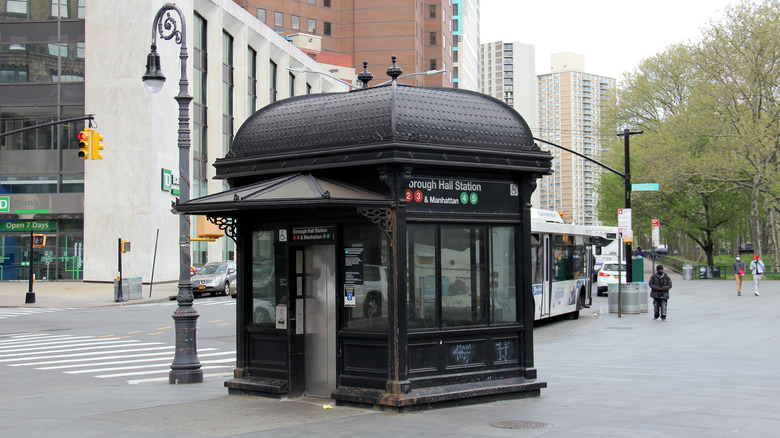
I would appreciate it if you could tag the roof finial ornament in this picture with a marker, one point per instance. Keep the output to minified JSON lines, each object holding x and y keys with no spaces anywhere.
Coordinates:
{"x":395,"y":70}
{"x":365,"y":76}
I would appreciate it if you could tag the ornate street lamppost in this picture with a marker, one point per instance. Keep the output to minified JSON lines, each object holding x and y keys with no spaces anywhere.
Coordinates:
{"x":186,"y":366}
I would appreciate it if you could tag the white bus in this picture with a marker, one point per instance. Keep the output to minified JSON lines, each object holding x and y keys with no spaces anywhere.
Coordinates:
{"x":607,"y":241}
{"x":561,"y":268}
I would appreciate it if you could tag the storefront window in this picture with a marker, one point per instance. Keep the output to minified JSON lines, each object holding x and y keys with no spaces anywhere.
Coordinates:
{"x":263,"y":274}
{"x":365,"y":273}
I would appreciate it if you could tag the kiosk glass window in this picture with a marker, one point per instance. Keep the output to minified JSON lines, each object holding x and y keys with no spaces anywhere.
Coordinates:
{"x":263,"y":274}
{"x":503,"y":290}
{"x":461,"y":276}
{"x":457,"y":273}
{"x":366,"y":276}
{"x":421,"y":266}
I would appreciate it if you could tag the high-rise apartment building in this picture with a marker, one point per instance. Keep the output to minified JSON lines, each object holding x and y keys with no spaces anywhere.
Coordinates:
{"x":508,"y":74}
{"x":422,"y":34}
{"x":570,"y":104}
{"x":466,"y":70}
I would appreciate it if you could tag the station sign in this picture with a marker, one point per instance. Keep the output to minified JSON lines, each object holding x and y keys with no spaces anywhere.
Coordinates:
{"x":456,"y":195}
{"x":322,"y":233}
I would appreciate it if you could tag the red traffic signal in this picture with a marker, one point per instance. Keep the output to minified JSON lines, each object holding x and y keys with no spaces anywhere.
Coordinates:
{"x":84,"y":143}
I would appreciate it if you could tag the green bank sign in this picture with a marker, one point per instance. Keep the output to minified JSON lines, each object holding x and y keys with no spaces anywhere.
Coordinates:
{"x":6,"y":226}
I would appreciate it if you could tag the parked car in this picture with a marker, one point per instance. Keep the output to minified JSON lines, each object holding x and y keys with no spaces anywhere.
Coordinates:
{"x":598,"y":261}
{"x":214,"y":278}
{"x":608,"y":274}
{"x":746,"y":248}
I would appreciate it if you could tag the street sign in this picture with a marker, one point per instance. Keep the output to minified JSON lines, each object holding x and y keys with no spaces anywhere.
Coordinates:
{"x":647,"y":187}
{"x":656,"y":229}
{"x":624,"y":221}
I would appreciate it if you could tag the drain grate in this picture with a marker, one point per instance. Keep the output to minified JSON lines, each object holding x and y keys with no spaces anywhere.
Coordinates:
{"x":519,"y":424}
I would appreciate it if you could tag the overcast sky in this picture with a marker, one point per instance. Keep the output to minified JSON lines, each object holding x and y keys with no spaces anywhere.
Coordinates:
{"x":614,"y":35}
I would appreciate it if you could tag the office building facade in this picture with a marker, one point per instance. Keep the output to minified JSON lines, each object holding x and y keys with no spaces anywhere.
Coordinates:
{"x":69,"y":58}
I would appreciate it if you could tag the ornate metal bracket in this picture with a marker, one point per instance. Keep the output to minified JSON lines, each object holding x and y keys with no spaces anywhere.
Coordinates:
{"x":226,"y":224}
{"x":382,"y":217}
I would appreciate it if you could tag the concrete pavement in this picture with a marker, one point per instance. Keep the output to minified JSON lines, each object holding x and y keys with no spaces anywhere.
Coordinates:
{"x":709,"y":371}
{"x":63,"y":294}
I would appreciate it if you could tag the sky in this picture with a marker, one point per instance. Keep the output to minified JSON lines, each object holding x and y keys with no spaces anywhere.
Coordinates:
{"x":613,"y":35}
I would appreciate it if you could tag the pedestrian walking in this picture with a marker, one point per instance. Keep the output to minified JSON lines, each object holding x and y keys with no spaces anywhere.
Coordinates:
{"x":739,"y":269}
{"x":639,"y":252}
{"x":660,"y":283}
{"x":757,"y":268}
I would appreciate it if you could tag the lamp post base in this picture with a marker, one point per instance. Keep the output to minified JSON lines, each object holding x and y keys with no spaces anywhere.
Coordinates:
{"x":185,"y":367}
{"x":29,"y":298}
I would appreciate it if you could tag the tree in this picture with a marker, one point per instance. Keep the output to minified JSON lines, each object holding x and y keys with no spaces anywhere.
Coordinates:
{"x":710,"y":113}
{"x":739,"y":60}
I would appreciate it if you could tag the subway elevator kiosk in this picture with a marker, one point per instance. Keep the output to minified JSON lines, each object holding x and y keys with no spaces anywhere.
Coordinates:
{"x":383,"y":246}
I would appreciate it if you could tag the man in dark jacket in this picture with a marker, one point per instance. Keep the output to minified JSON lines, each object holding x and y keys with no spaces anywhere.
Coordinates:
{"x":660,"y":283}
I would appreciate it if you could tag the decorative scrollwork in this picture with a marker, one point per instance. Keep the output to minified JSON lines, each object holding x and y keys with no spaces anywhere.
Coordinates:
{"x":382,"y":217}
{"x":168,"y":29}
{"x":226,"y":224}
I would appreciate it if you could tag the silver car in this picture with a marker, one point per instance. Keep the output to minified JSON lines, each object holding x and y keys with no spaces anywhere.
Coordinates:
{"x":214,"y":278}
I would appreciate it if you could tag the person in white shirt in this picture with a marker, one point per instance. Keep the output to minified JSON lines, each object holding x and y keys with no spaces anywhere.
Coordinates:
{"x":757,"y":268}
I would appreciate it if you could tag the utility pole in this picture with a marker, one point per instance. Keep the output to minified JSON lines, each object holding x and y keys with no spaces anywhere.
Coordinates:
{"x":626,"y":134}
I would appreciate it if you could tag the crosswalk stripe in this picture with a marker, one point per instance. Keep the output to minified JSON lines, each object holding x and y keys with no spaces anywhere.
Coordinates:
{"x":103,"y":357}
{"x":134,"y":358}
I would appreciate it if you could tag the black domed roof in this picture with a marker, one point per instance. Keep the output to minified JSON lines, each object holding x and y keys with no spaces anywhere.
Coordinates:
{"x":386,"y":113}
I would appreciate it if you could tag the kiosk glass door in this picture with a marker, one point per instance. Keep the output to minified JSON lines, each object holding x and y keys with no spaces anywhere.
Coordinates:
{"x":319,"y":291}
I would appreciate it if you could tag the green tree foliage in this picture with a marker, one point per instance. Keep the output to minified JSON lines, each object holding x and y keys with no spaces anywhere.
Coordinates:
{"x":710,"y":113}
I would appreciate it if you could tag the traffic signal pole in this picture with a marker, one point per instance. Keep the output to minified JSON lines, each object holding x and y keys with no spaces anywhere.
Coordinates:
{"x":626,"y":134}
{"x":30,"y":297}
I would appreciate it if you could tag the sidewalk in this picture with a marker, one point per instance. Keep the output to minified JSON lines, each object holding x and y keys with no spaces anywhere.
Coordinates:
{"x":64,"y":294}
{"x":709,"y":371}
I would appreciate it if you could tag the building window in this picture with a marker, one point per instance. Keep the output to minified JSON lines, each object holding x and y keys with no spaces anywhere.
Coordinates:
{"x":295,"y":22}
{"x":261,"y":15}
{"x":272,"y":81}
{"x":279,"y":20}
{"x":311,"y":26}
{"x":454,"y":56}
{"x":326,"y":3}
{"x":455,"y":10}
{"x":292,"y":85}
{"x":326,"y":28}
{"x":432,"y":64}
{"x":81,"y":10}
{"x":455,"y":25}
{"x":227,"y":92}
{"x":311,"y":2}
{"x":59,"y":8}
{"x":369,"y":244}
{"x":251,"y":69}
{"x":432,"y":38}
{"x":432,"y":11}
{"x":308,"y":88}
{"x":16,"y":6}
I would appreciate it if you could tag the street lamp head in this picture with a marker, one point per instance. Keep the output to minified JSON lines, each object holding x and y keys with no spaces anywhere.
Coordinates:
{"x":154,"y":77}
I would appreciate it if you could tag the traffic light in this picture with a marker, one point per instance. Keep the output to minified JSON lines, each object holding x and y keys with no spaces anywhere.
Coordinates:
{"x":96,"y":146}
{"x":85,"y":138}
{"x":39,"y":241}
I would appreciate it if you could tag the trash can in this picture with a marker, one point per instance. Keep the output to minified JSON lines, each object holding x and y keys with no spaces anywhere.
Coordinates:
{"x":131,"y":289}
{"x":637,"y":270}
{"x":687,"y":271}
{"x":634,"y":298}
